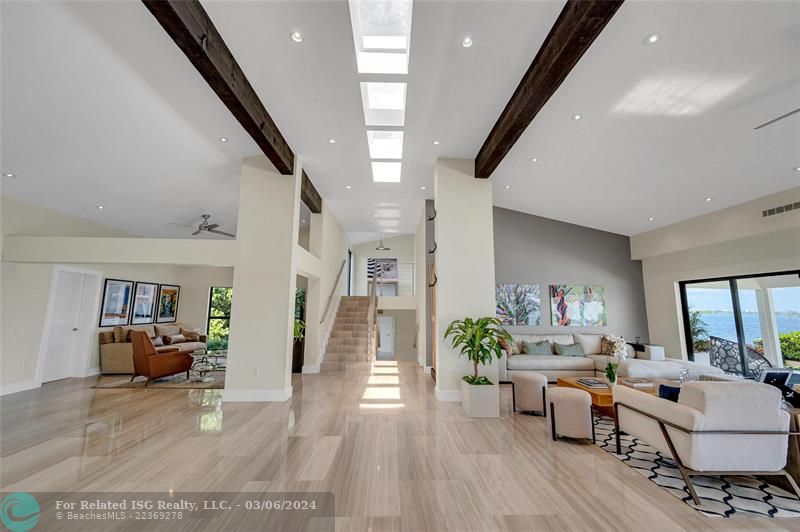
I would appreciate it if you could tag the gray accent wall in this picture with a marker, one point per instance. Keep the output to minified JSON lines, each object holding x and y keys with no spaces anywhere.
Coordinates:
{"x":530,"y":249}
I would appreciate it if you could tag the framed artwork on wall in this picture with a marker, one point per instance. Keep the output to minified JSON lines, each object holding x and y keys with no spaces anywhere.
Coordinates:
{"x":168,"y":303}
{"x":383,"y":268}
{"x":518,"y":304}
{"x":144,"y":303}
{"x":578,"y":305}
{"x":116,"y":306}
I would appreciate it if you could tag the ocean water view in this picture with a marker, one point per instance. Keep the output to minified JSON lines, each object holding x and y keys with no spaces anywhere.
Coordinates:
{"x":722,"y":325}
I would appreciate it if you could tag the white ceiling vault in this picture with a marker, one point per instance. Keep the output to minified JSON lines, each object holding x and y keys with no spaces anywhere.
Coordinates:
{"x":99,"y":107}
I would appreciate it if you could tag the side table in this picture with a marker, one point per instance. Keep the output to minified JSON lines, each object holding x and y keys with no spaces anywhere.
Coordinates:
{"x":202,"y":366}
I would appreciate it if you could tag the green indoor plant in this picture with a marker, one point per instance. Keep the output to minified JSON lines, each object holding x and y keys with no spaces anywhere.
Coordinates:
{"x":299,"y":329}
{"x":479,"y":340}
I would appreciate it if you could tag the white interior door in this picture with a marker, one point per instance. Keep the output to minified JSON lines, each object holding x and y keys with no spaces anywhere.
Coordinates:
{"x":64,"y":334}
{"x":386,"y":350}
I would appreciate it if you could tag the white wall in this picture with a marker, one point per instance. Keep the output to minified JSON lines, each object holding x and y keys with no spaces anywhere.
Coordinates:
{"x":333,"y":245}
{"x":464,"y":264}
{"x":402,"y":249}
{"x":732,"y":223}
{"x":760,"y":249}
{"x":421,"y":290}
{"x":404,"y":325}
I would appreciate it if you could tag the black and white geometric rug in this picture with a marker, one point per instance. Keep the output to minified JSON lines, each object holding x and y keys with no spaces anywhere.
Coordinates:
{"x":732,"y":496}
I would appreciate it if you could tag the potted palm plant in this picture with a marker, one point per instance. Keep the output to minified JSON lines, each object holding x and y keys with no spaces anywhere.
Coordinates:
{"x":479,"y":340}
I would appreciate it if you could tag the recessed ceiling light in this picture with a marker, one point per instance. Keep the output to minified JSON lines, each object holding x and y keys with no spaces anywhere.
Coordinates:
{"x":651,"y":219}
{"x":303,"y":221}
{"x":796,"y":169}
{"x":296,"y":36}
{"x":652,"y":38}
{"x":436,"y":142}
{"x":100,"y":207}
{"x":466,"y":42}
{"x":508,"y":187}
{"x":223,"y":139}
{"x":8,"y":174}
{"x":533,"y":159}
{"x":576,"y":117}
{"x":374,"y":215}
{"x":332,"y":140}
{"x":708,"y":200}
{"x":348,"y":187}
{"x":422,"y":188}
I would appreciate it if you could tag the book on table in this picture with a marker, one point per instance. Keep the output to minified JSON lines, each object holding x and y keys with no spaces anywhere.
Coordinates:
{"x":592,"y":383}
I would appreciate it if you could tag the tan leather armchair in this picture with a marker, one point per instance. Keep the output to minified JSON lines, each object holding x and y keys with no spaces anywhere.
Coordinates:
{"x":147,"y":362}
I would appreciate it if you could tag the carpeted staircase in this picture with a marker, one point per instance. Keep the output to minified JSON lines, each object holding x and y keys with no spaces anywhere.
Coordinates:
{"x":348,"y":340}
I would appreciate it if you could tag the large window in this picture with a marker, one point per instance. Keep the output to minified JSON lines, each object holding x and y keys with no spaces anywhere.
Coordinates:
{"x":743,"y":324}
{"x":219,"y":317}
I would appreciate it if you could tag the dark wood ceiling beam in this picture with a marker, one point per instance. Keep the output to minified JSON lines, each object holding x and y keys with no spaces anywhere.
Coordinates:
{"x":309,"y":195}
{"x":192,"y":30}
{"x":575,"y":29}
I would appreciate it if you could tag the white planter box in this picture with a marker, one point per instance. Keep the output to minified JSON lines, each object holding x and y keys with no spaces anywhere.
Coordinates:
{"x":480,"y":400}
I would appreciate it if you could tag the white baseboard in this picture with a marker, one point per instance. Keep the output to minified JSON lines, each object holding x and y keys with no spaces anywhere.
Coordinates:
{"x":91,"y":372}
{"x":426,"y":370}
{"x":310,"y":369}
{"x":17,"y":387}
{"x":448,"y":395}
{"x":241,"y":396}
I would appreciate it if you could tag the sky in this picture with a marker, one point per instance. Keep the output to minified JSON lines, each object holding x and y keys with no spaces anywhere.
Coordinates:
{"x":720,"y":299}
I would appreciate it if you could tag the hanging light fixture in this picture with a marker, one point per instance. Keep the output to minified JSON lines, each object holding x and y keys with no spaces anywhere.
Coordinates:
{"x":381,"y":247}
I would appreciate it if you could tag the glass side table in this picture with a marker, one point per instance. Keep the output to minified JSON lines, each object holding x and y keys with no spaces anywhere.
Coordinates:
{"x":202,"y":367}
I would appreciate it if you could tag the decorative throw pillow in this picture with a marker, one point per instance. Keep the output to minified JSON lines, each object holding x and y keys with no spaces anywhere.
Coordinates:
{"x":505,"y":346}
{"x":167,"y":330}
{"x":606,"y":346}
{"x":569,"y":350}
{"x":191,"y":335}
{"x":537,"y":348}
{"x":157,"y":341}
{"x":174,"y":339}
{"x":670,"y":393}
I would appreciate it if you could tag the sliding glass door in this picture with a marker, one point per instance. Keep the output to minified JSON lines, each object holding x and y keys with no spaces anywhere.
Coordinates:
{"x":743,"y":324}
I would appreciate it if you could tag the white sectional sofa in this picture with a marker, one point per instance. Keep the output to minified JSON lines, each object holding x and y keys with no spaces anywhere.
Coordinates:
{"x":651,"y":363}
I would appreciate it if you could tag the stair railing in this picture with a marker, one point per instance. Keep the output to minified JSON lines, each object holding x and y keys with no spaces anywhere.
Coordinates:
{"x":373,"y":338}
{"x":333,"y":292}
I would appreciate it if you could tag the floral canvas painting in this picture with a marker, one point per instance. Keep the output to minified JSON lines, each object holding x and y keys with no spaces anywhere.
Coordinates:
{"x":518,"y":304}
{"x":578,"y":305}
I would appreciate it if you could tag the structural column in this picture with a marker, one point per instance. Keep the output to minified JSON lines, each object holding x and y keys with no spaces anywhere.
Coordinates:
{"x":464,"y":264}
{"x":262,"y":315}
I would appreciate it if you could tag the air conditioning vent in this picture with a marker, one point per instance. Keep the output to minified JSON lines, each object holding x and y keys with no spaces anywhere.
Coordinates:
{"x":781,"y":209}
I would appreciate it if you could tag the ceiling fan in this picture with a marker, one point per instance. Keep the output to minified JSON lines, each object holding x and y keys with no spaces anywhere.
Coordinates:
{"x":206,"y":227}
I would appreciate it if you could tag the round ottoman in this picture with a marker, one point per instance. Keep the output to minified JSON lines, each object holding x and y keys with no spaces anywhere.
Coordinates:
{"x":529,"y":392}
{"x":570,"y":413}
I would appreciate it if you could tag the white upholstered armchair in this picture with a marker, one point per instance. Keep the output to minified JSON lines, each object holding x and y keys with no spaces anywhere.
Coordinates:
{"x":715,"y":428}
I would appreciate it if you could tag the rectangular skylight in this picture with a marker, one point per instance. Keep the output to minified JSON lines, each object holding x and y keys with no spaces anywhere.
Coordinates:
{"x":381,"y":34}
{"x":382,"y":63}
{"x":385,"y":144}
{"x":384,"y":42}
{"x":384,"y":103}
{"x":386,"y":172}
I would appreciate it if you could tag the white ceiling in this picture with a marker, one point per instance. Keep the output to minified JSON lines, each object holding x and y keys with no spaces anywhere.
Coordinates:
{"x":100,"y":107}
{"x":614,"y":170}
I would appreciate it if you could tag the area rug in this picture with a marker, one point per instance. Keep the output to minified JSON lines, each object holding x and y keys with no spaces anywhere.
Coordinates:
{"x":732,"y":496}
{"x":173,"y":381}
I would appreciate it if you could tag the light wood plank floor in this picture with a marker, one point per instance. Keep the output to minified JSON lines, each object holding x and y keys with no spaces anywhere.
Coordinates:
{"x":395,"y":458}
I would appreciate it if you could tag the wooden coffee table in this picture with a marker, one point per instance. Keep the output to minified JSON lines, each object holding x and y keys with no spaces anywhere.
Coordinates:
{"x":603,"y":398}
